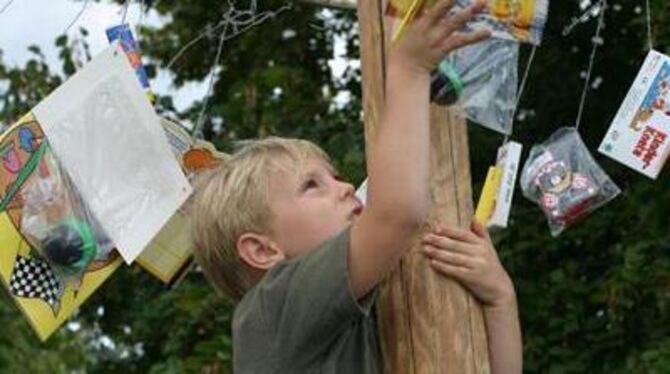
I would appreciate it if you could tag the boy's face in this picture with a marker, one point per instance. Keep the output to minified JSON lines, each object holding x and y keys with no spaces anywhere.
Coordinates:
{"x":310,"y":206}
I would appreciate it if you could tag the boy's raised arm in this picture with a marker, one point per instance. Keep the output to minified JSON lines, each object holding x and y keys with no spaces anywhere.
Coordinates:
{"x":398,"y":186}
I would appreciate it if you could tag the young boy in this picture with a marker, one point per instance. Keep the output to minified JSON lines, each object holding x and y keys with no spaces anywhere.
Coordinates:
{"x":279,"y":233}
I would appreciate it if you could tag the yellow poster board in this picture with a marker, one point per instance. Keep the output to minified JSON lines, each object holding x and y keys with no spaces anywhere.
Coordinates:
{"x":28,"y":278}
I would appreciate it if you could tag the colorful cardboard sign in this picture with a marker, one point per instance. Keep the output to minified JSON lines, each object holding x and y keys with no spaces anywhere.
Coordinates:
{"x":30,"y":280}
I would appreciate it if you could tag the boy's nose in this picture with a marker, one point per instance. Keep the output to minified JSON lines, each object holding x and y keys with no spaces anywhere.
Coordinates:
{"x":348,"y":190}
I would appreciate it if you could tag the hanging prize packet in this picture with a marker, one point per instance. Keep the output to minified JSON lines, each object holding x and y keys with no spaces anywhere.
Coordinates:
{"x":124,"y":35}
{"x":482,"y":79}
{"x":639,"y":134}
{"x":562,"y":177}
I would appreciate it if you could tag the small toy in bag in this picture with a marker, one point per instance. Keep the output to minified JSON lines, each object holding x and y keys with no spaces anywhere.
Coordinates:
{"x":483,"y":79}
{"x":562,"y":177}
{"x":67,"y":236}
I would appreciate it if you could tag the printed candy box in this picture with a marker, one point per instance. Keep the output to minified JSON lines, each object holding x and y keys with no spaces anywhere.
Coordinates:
{"x":638,"y":136}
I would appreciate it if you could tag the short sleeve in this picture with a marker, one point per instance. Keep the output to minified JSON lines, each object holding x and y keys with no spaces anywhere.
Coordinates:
{"x":308,"y":299}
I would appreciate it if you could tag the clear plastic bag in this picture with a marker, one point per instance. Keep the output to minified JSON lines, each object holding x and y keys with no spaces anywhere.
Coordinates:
{"x":109,"y":139}
{"x":67,"y":236}
{"x":483,"y":79}
{"x":562,"y":177}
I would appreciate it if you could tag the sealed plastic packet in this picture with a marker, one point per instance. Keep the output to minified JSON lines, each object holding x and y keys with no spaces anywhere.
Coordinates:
{"x":482,"y":79}
{"x":68,"y":237}
{"x":562,"y":177}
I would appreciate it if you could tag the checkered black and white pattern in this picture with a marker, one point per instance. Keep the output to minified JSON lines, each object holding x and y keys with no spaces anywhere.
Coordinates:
{"x":33,"y":278}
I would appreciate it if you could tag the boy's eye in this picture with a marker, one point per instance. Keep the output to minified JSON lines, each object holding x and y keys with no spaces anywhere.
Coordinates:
{"x":310,"y":183}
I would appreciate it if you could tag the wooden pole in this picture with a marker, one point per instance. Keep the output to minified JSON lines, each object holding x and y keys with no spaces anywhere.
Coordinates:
{"x":428,"y":324}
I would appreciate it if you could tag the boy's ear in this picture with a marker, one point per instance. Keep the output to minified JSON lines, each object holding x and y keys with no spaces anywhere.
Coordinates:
{"x":258,"y":251}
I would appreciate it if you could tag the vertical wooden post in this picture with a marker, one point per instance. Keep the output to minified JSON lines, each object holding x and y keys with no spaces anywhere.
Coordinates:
{"x":428,"y":324}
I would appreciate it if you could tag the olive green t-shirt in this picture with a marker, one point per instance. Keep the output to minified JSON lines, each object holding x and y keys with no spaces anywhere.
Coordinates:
{"x":303,"y":318}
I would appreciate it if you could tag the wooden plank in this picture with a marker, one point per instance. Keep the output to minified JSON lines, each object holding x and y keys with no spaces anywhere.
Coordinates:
{"x":428,"y":324}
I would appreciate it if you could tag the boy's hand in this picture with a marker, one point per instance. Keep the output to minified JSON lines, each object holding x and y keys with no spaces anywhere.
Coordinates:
{"x":435,"y":33}
{"x":469,"y":257}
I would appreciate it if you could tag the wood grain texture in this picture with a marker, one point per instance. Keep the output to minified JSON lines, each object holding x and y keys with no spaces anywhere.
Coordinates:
{"x":428,"y":324}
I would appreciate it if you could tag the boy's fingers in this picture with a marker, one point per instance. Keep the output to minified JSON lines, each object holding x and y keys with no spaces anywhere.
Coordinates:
{"x":480,"y":230}
{"x":451,"y":258}
{"x":457,"y":20}
{"x":461,"y":39}
{"x":438,"y":11}
{"x":456,"y":272}
{"x":444,"y":243}
{"x":437,"y":241}
{"x":459,"y":234}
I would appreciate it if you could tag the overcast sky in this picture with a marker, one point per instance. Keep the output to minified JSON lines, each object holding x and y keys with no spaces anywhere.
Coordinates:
{"x":39,"y":22}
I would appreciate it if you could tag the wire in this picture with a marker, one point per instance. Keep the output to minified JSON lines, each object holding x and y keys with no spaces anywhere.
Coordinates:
{"x":522,"y":87}
{"x":597,"y":41}
{"x":247,"y":22}
{"x":4,"y":7}
{"x":234,"y":22}
{"x":76,"y":18}
{"x":125,"y":11}
{"x":650,"y":37}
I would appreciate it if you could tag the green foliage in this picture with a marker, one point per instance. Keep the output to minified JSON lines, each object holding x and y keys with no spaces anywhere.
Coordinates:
{"x":595,"y":300}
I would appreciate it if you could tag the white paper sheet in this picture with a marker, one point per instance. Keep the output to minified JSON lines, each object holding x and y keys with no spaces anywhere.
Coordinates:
{"x":109,"y":139}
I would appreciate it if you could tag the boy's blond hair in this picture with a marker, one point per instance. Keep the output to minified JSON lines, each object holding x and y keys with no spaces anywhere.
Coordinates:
{"x":234,"y":199}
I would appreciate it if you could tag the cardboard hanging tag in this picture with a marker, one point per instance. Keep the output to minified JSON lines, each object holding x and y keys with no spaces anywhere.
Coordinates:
{"x":509,"y":157}
{"x":638,"y":136}
{"x":125,"y":38}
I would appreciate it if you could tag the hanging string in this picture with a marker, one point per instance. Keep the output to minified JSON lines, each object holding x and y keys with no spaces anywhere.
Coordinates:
{"x":522,"y":87}
{"x":650,"y":37}
{"x":76,"y":18}
{"x":197,"y":130}
{"x":124,"y":12}
{"x":4,"y":7}
{"x":241,"y":21}
{"x":597,"y":41}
